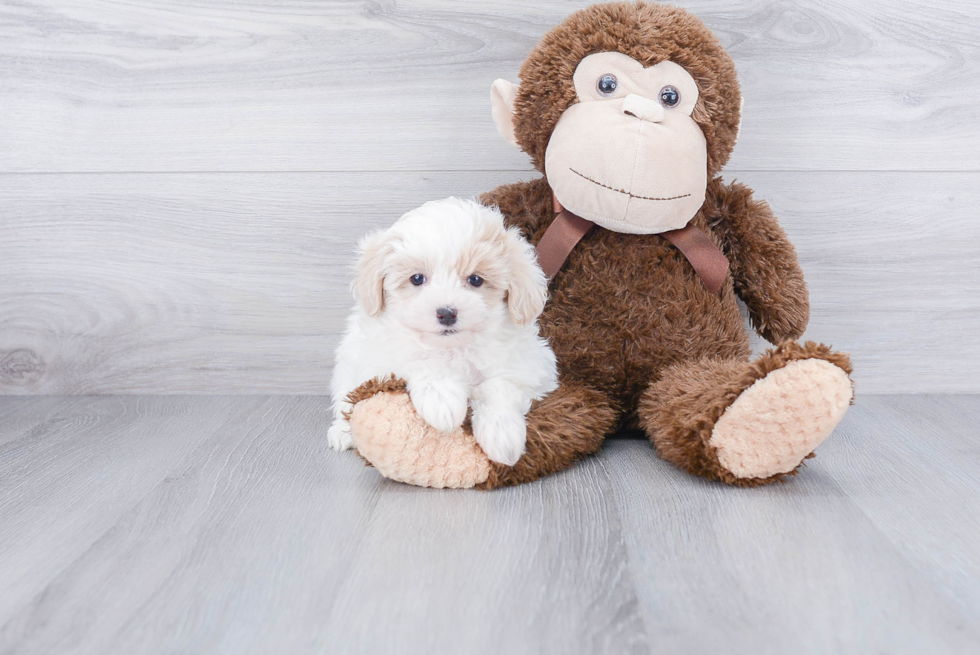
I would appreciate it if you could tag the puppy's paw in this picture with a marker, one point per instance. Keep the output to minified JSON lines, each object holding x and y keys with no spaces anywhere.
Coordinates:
{"x":502,"y":434}
{"x":338,"y":436}
{"x":441,"y":404}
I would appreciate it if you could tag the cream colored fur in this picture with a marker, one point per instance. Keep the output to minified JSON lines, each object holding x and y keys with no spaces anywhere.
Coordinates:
{"x":781,"y":418}
{"x":488,"y":357}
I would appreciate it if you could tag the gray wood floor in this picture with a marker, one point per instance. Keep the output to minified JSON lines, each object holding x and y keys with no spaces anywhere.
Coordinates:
{"x":224,"y":525}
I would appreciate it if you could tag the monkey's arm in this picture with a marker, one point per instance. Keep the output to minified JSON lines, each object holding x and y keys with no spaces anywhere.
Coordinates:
{"x":764,"y":266}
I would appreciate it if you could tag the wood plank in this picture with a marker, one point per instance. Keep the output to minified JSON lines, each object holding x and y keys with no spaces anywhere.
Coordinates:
{"x":894,"y":279}
{"x":798,"y":567}
{"x":225,"y":525}
{"x":237,"y":283}
{"x":922,"y":490}
{"x":260,"y":539}
{"x":535,"y":569}
{"x":222,"y":283}
{"x":162,"y":85}
{"x":71,"y":468}
{"x":20,"y":412}
{"x":189,"y":564}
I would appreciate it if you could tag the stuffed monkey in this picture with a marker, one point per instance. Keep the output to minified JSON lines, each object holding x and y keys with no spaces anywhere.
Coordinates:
{"x":630,"y":111}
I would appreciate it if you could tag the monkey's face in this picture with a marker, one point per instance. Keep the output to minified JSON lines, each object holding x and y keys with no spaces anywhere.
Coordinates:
{"x":628,"y":108}
{"x":628,"y":155}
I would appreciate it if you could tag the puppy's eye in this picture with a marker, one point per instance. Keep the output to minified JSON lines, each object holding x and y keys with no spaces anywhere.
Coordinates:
{"x":417,"y":279}
{"x":475,"y":280}
{"x":607,"y":84}
{"x":669,"y":96}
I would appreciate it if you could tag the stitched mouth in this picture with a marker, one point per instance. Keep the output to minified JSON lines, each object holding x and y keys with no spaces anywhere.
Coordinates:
{"x":624,"y":192}
{"x":448,"y":332}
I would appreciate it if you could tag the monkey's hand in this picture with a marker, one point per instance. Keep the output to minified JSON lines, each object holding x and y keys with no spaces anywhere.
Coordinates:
{"x":764,"y":266}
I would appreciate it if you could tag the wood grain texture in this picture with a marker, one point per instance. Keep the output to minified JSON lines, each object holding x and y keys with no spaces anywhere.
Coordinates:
{"x":796,"y":567}
{"x":550,"y":578}
{"x":164,"y":85}
{"x":225,"y":525}
{"x":237,"y":283}
{"x":924,"y":478}
{"x":220,"y":283}
{"x":73,"y":468}
{"x":330,"y":118}
{"x":254,"y":537}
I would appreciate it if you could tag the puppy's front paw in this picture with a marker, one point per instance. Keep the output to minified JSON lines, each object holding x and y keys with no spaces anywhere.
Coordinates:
{"x":502,"y":434}
{"x":338,"y":436}
{"x":442,"y":405}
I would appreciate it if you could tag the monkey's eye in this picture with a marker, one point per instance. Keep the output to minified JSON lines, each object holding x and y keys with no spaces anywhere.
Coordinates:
{"x":669,"y":96}
{"x":607,"y":84}
{"x":475,"y":280}
{"x":417,"y":279}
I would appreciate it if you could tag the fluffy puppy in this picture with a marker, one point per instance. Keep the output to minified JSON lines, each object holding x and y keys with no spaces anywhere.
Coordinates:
{"x":447,"y":300}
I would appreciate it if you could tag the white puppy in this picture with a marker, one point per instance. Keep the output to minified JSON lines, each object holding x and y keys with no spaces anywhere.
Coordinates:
{"x":447,"y":300}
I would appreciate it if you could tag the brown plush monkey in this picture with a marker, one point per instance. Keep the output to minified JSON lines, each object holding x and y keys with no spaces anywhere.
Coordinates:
{"x":631,"y":110}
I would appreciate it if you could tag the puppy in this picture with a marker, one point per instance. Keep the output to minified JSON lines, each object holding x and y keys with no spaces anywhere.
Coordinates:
{"x":447,"y":300}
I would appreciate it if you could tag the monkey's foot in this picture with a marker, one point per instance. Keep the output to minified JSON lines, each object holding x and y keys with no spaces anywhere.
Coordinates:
{"x":779,"y":420}
{"x":748,"y":423}
{"x":390,"y":435}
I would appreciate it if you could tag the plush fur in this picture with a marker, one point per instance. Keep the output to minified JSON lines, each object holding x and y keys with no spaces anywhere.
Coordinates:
{"x":681,"y":409}
{"x":779,"y":420}
{"x":640,"y":342}
{"x":447,"y":300}
{"x":454,"y":460}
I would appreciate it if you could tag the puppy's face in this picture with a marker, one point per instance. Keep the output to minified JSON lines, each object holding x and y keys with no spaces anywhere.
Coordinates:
{"x":448,"y":271}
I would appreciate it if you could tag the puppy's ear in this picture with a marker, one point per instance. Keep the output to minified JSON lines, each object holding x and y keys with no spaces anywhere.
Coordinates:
{"x":369,"y":275}
{"x":528,"y":289}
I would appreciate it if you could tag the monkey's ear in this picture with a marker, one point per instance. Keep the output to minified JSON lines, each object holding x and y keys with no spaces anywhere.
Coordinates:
{"x":502,"y":96}
{"x":738,"y":129}
{"x":369,"y":274}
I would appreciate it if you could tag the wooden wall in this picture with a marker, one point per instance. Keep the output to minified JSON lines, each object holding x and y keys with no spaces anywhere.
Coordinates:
{"x":181,"y":184}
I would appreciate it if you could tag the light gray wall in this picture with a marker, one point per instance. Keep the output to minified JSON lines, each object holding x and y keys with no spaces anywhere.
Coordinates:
{"x":181,"y":184}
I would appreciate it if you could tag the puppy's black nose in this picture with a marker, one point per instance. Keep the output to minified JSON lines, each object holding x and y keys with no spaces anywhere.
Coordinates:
{"x":446,"y":315}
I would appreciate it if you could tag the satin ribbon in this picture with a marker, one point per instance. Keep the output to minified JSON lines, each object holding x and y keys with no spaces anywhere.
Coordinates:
{"x":567,"y":229}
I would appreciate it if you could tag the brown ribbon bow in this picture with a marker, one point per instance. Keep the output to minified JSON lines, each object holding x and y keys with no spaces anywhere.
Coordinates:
{"x":567,"y":230}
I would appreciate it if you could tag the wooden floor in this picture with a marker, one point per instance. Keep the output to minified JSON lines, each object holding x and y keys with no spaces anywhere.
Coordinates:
{"x":225,"y":525}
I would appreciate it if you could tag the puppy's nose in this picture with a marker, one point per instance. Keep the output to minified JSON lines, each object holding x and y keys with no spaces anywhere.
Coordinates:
{"x":446,"y":315}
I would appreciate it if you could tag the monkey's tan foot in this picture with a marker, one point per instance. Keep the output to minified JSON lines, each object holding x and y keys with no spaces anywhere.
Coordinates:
{"x":393,"y":438}
{"x":774,"y":424}
{"x":748,"y":423}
